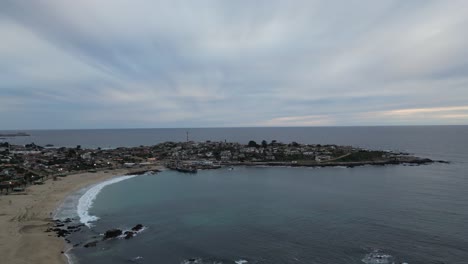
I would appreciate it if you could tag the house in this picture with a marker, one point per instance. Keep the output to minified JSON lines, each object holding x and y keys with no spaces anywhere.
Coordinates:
{"x":226,"y":155}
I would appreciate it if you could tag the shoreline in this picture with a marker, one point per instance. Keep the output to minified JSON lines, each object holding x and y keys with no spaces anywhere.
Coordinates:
{"x":24,"y":217}
{"x":350,"y":164}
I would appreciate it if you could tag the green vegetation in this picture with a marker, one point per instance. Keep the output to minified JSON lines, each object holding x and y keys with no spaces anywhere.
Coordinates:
{"x":253,"y":144}
{"x":363,"y":155}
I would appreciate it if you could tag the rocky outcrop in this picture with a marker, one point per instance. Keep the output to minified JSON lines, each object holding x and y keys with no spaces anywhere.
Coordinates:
{"x":137,"y":227}
{"x":129,"y":234}
{"x":64,"y":228}
{"x":61,"y":232}
{"x":113,"y":233}
{"x":90,"y":244}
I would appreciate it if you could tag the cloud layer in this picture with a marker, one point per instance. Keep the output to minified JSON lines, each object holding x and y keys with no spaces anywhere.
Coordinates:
{"x":99,"y":64}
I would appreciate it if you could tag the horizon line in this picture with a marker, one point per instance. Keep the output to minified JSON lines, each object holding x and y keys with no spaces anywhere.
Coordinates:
{"x":233,"y":127}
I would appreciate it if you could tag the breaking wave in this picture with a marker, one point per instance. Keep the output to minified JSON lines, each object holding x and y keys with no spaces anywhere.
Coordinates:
{"x":378,"y":257}
{"x":86,"y":201}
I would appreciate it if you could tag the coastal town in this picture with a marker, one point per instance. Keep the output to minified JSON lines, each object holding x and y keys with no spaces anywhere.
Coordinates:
{"x":21,"y":165}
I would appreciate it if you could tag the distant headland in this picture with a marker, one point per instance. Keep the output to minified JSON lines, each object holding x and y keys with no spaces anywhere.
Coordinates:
{"x":16,"y":134}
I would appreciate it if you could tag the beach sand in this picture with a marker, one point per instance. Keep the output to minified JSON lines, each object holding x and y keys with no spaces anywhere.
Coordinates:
{"x":25,"y":217}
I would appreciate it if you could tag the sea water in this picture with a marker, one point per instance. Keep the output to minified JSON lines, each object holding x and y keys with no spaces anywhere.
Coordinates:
{"x":369,"y":214}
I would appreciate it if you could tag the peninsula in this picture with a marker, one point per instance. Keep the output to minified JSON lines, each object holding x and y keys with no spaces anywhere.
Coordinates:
{"x":20,"y":165}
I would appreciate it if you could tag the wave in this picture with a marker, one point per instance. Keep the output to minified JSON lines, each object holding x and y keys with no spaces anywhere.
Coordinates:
{"x":210,"y":261}
{"x":377,"y":257}
{"x":86,"y":201}
{"x":70,"y":258}
{"x":200,"y":261}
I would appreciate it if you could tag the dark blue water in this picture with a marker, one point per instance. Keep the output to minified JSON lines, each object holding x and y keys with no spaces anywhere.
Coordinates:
{"x":416,"y":214}
{"x":435,"y":141}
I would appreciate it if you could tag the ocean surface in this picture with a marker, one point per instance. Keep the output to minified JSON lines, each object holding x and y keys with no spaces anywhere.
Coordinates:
{"x":412,"y":214}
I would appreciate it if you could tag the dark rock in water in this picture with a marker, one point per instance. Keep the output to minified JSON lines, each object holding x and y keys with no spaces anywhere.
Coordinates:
{"x":90,"y":244}
{"x":113,"y":233}
{"x":61,"y":232}
{"x":129,"y":234}
{"x":76,"y":245}
{"x":137,"y":227}
{"x":68,"y":220}
{"x":59,"y":225}
{"x":74,"y":227}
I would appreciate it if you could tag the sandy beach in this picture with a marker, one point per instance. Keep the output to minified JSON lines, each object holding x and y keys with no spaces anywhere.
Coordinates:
{"x":24,"y":217}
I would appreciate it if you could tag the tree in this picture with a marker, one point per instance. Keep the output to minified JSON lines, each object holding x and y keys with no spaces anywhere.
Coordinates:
{"x":71,"y":153}
{"x":264,"y":144}
{"x":252,"y":144}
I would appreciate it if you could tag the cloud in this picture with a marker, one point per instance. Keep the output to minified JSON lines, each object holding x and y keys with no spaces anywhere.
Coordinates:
{"x":432,"y":110}
{"x":312,"y":120}
{"x":206,"y":63}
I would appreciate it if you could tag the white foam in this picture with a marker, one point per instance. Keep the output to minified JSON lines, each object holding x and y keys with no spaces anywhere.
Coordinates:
{"x":137,"y":259}
{"x":71,"y":259}
{"x":241,"y":261}
{"x":377,"y":257}
{"x":87,"y":200}
{"x":135,"y":233}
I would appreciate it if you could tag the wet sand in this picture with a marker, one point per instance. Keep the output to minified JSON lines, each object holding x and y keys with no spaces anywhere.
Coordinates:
{"x":24,"y":217}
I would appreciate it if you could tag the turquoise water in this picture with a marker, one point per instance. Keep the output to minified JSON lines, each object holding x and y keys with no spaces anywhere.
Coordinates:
{"x":415,"y":214}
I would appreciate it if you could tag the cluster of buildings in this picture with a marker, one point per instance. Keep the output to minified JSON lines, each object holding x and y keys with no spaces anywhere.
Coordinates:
{"x":20,"y":165}
{"x":31,"y":164}
{"x":227,"y":152}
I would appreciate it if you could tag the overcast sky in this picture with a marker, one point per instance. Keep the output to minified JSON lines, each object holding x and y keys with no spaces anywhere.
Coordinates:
{"x":121,"y":64}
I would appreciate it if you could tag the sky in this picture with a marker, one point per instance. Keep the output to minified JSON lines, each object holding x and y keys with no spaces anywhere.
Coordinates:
{"x":147,"y":64}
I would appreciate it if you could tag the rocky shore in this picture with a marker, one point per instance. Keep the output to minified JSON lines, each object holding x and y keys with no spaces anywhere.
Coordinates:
{"x":409,"y":161}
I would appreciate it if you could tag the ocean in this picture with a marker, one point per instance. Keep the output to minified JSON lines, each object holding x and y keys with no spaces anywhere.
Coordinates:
{"x":369,"y":214}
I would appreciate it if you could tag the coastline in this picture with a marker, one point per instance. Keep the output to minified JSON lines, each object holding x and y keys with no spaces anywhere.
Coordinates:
{"x":24,"y":217}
